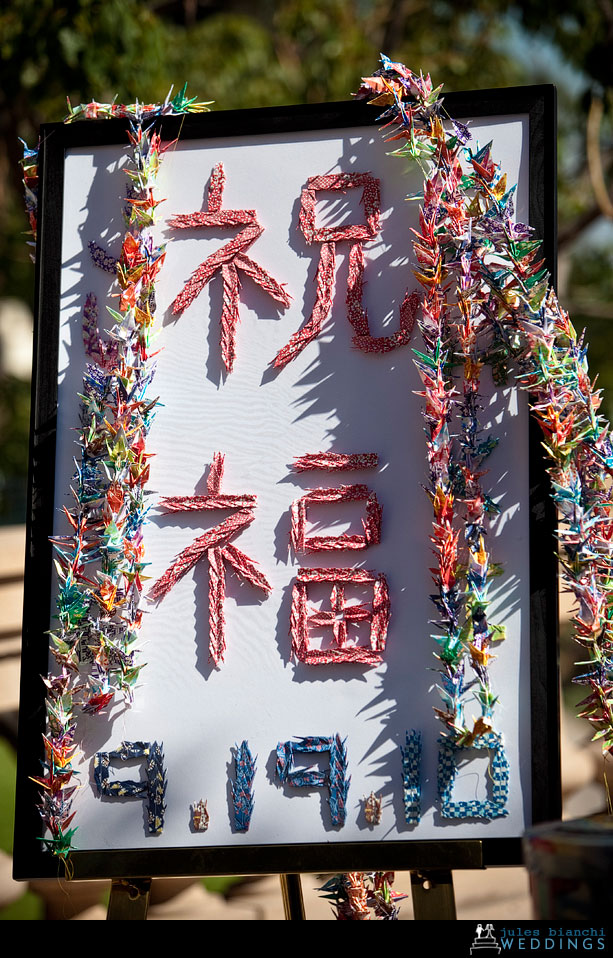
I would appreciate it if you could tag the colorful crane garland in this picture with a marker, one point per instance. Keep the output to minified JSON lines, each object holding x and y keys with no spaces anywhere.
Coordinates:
{"x":457,"y":325}
{"x":100,"y":563}
{"x":355,"y":894}
{"x":468,"y":234}
{"x":476,"y":261}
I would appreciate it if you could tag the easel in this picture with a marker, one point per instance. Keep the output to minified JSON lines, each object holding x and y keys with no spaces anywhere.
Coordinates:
{"x":431,"y":890}
{"x":129,"y":899}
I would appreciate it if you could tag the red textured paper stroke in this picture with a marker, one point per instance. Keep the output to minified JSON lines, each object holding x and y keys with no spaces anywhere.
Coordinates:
{"x":228,"y":260}
{"x":302,"y":618}
{"x":198,"y":503}
{"x":215,"y":476}
{"x":371,"y":525}
{"x":217,"y":558}
{"x":332,"y":461}
{"x":328,"y":236}
{"x":188,"y":558}
{"x":218,"y":549}
{"x":371,"y":200}
{"x":358,"y":316}
{"x":323,"y":304}
{"x":217,"y":595}
{"x":214,"y":499}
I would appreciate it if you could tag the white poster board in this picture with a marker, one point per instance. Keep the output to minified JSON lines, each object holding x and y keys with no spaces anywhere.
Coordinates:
{"x":331,"y":397}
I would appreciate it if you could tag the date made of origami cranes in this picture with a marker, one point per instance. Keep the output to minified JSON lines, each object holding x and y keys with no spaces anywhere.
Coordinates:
{"x":153,"y":789}
{"x":356,"y":235}
{"x":229,"y":260}
{"x":242,"y":786}
{"x":216,"y":546}
{"x":334,"y":778}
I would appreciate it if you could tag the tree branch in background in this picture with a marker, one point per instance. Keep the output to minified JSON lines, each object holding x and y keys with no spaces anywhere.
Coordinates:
{"x":594,"y":158}
{"x":569,"y":233}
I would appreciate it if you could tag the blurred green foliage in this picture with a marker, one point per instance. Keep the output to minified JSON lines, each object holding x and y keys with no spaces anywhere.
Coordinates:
{"x":591,"y":281}
{"x":14,"y":430}
{"x":244,"y":55}
{"x":29,"y":906}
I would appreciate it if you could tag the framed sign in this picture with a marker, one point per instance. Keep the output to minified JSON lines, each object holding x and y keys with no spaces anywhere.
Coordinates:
{"x":286,"y":699}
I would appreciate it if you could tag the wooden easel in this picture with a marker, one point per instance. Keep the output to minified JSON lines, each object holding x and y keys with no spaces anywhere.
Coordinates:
{"x":431,"y":891}
{"x":129,"y":899}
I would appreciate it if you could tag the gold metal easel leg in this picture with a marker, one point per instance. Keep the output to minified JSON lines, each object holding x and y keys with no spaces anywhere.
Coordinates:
{"x":129,"y":899}
{"x":433,"y":898}
{"x":293,"y":905}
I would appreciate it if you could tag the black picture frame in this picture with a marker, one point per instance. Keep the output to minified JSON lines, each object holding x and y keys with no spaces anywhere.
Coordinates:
{"x":30,"y":858}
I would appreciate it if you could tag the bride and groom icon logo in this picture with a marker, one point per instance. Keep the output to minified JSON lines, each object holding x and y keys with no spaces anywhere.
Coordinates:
{"x":485,"y":939}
